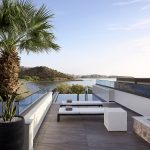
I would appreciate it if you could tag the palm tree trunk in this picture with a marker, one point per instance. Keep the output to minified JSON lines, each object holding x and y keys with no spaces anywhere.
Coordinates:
{"x":9,"y":70}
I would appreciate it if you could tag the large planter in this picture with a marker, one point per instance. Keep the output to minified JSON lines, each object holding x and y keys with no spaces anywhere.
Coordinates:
{"x":12,"y":134}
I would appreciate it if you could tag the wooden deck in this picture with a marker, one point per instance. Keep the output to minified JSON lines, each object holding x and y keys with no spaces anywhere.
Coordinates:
{"x":84,"y":133}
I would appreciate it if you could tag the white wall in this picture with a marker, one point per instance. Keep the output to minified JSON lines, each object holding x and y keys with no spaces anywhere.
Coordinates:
{"x":34,"y":119}
{"x":136,"y":103}
{"x":103,"y":92}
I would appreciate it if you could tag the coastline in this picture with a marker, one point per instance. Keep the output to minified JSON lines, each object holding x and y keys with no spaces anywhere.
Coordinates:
{"x":23,"y":91}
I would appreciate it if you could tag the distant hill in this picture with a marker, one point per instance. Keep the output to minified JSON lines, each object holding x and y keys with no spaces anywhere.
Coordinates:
{"x":43,"y":73}
{"x":93,"y":76}
{"x":103,"y":76}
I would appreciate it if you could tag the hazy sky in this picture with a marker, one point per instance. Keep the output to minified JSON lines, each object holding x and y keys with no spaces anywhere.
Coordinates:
{"x":110,"y":37}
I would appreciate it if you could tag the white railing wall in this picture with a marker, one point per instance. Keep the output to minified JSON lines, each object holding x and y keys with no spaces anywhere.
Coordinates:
{"x":138,"y":104}
{"x":34,"y":119}
{"x":103,"y":92}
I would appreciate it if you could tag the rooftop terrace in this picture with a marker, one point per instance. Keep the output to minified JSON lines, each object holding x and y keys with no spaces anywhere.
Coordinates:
{"x":85,"y":133}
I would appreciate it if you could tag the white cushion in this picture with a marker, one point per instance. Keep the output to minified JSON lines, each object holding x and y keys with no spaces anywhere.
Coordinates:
{"x":62,"y":110}
{"x":91,"y":110}
{"x":82,"y":103}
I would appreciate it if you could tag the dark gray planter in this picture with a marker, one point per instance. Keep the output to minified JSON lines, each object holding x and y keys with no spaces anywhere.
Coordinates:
{"x":12,"y":135}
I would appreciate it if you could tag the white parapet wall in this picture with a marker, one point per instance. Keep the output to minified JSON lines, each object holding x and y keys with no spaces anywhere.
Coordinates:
{"x":134,"y":102}
{"x":138,"y":104}
{"x":34,"y":119}
{"x":103,"y":92}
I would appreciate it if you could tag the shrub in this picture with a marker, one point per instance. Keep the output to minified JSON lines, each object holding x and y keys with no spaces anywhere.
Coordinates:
{"x":64,"y":88}
{"x":68,"y":89}
{"x":28,"y":78}
{"x":35,"y":78}
{"x":77,"y":89}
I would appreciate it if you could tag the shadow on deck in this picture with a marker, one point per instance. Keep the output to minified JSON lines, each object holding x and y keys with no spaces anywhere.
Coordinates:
{"x":85,"y":133}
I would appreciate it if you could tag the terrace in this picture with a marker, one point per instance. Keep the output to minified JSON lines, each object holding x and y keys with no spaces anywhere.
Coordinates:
{"x":85,"y":133}
{"x":43,"y":132}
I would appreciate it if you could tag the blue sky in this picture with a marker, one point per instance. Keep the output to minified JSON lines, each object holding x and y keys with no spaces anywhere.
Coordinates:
{"x":110,"y":37}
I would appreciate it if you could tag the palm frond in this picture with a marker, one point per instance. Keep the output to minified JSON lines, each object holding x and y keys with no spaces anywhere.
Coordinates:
{"x":21,"y":24}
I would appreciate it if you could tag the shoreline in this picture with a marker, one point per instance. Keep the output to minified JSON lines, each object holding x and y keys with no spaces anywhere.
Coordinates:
{"x":23,"y":91}
{"x":30,"y":81}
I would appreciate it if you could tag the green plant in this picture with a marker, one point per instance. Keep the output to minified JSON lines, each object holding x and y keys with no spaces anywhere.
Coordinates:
{"x":64,"y":88}
{"x":74,"y":89}
{"x":77,"y":89}
{"x":35,"y":78}
{"x":28,"y":78}
{"x":8,"y":107}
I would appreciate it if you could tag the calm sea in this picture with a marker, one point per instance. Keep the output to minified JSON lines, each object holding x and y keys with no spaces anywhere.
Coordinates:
{"x":35,"y":86}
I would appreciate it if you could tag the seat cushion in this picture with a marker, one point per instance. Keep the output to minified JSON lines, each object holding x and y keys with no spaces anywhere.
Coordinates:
{"x":82,"y":103}
{"x":62,"y":110}
{"x":91,"y":110}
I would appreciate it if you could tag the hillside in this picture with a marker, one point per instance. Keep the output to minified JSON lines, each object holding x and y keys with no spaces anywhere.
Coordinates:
{"x":43,"y":73}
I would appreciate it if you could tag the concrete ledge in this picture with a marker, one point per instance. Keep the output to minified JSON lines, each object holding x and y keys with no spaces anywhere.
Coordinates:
{"x":28,"y":141}
{"x":141,"y":126}
{"x":34,"y":119}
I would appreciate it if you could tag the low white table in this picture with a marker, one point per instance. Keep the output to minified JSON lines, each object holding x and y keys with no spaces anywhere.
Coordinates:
{"x":115,"y":119}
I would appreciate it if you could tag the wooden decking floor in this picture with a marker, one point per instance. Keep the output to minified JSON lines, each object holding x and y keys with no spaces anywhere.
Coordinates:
{"x":84,"y":133}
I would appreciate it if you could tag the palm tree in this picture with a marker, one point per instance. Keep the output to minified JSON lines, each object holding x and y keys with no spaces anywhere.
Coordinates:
{"x":23,"y":27}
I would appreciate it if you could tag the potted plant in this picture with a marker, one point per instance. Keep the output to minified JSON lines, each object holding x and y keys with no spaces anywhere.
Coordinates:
{"x":11,"y":126}
{"x":23,"y":27}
